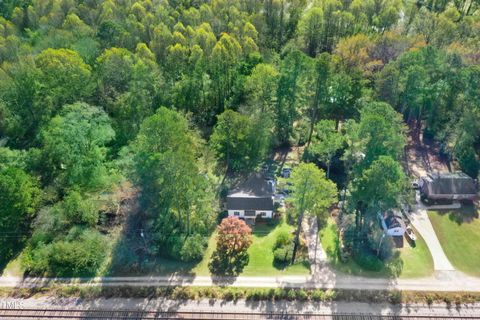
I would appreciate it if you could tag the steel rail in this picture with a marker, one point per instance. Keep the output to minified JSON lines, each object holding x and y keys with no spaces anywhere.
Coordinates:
{"x":192,"y":315}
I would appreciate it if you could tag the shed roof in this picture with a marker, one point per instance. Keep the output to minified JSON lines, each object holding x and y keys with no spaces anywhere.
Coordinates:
{"x":394,"y":221}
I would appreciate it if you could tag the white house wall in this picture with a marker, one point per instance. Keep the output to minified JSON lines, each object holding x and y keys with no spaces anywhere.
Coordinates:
{"x":396,"y":231}
{"x":241,"y":213}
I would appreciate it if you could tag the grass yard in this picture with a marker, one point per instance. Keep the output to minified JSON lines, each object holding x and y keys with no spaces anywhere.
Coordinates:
{"x":261,"y":254}
{"x":459,"y":235}
{"x":417,"y":262}
{"x":260,"y":263}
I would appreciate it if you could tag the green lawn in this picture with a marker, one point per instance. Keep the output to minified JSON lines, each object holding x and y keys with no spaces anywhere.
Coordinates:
{"x":417,"y":262}
{"x":260,"y":255}
{"x":459,"y":235}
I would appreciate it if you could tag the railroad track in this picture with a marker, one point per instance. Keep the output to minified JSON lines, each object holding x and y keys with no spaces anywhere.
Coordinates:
{"x":63,"y":314}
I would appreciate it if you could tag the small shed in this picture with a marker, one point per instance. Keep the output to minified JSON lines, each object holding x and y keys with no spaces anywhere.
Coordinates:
{"x":393,"y":224}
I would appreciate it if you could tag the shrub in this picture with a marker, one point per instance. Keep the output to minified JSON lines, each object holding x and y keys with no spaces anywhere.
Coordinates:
{"x":291,"y":295}
{"x":318,"y":295}
{"x":283,"y":238}
{"x":368,"y":261}
{"x":80,"y":254}
{"x":193,"y":248}
{"x":283,"y":254}
{"x":283,"y":247}
{"x":330,"y":295}
{"x":183,"y":293}
{"x":395,"y":297}
{"x":302,"y":295}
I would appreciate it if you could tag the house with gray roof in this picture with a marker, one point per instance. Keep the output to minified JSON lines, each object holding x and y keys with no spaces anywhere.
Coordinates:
{"x":448,"y":186}
{"x":254,"y":197}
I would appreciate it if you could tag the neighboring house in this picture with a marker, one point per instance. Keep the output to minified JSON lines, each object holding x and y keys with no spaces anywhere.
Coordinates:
{"x":253,"y":198}
{"x":448,"y":186}
{"x":393,"y":224}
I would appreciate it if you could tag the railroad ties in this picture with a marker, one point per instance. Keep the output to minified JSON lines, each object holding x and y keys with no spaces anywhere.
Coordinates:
{"x":63,"y":314}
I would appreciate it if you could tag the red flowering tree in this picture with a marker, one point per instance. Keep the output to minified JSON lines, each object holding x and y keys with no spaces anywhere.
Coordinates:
{"x":233,"y":240}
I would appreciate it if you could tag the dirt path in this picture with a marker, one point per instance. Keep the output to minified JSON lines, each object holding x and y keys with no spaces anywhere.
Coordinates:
{"x":422,"y":158}
{"x":316,"y":255}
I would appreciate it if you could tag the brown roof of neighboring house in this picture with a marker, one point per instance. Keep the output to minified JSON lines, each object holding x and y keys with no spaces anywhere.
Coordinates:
{"x":448,"y":184}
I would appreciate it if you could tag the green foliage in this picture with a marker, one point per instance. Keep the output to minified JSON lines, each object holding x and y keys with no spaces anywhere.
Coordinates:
{"x":74,"y":147}
{"x":65,"y":78}
{"x":19,"y":197}
{"x":240,"y":141}
{"x":381,"y":186}
{"x":327,"y":142}
{"x":283,"y":254}
{"x":283,"y":238}
{"x":193,"y":248}
{"x":381,"y":131}
{"x":368,"y":261}
{"x":283,"y":65}
{"x":233,"y":240}
{"x":283,"y":247}
{"x":312,"y":193}
{"x":176,"y":195}
{"x":80,"y":211}
{"x":81,"y":253}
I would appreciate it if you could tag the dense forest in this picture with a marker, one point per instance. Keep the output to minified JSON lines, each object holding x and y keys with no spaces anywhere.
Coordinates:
{"x":168,"y":97}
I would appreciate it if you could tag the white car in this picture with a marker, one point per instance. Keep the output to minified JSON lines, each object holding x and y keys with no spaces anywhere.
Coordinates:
{"x":409,"y":232}
{"x":417,"y":184}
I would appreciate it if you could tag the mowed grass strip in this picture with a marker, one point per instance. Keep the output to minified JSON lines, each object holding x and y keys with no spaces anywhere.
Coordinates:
{"x":459,"y":235}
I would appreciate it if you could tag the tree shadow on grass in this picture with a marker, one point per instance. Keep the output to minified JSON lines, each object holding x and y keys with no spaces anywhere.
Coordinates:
{"x":263,"y":228}
{"x":225,"y":268}
{"x":466,"y":214}
{"x":284,"y":265}
{"x":132,"y":255}
{"x":6,"y":259}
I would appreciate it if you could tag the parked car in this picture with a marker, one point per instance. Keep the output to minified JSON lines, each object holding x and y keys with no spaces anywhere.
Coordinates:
{"x":410,"y":234}
{"x":416,"y":184}
{"x":286,"y":172}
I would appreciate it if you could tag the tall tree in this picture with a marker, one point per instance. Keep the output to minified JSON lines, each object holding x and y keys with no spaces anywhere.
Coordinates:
{"x":240,"y":141}
{"x":19,"y":197}
{"x":326,"y":142}
{"x":319,"y":82}
{"x":382,"y":131}
{"x":234,"y":237}
{"x":312,"y":195}
{"x":177,"y":197}
{"x":65,"y":78}
{"x":74,"y":147}
{"x":289,"y":94}
{"x":380,"y":187}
